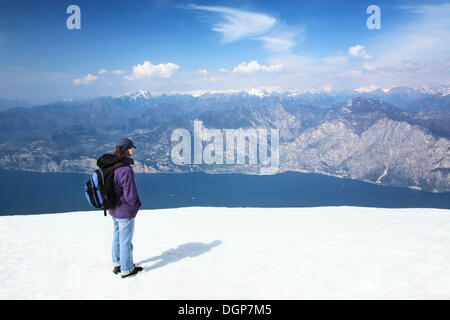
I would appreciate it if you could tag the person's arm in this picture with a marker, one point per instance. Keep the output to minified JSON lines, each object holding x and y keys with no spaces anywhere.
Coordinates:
{"x":130,"y":195}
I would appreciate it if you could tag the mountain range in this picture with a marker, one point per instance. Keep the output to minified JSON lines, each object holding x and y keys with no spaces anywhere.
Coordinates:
{"x":397,"y":136}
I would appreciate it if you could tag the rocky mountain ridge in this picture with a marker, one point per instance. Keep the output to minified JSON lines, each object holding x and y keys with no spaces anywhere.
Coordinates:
{"x":359,"y":138}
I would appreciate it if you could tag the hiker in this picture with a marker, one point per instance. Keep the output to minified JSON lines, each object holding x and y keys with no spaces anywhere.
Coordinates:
{"x":124,"y":213}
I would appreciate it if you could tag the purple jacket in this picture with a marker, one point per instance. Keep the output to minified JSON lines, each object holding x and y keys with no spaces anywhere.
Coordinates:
{"x":125,"y":188}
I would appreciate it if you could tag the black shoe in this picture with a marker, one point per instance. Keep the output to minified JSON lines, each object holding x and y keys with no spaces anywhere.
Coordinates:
{"x":133,"y":272}
{"x":116,"y":270}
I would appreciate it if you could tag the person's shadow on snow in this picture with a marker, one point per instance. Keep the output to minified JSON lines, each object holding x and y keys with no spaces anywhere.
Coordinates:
{"x":192,"y":249}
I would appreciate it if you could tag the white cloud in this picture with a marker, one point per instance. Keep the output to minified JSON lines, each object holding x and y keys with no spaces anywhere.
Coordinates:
{"x":202,"y":71}
{"x":279,"y":43}
{"x":104,"y":71}
{"x":238,"y":24}
{"x":85,"y":80}
{"x":254,"y":66}
{"x":359,"y":51}
{"x":223,"y":70}
{"x":149,"y":70}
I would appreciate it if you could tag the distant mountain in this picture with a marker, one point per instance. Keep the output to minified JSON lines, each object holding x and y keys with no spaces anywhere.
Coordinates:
{"x":430,"y":102}
{"x":145,"y":111}
{"x":9,"y":104}
{"x":365,"y":138}
{"x":412,"y":98}
{"x":360,"y":114}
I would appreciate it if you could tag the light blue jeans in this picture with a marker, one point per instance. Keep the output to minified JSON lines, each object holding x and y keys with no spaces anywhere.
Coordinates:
{"x":122,"y":248}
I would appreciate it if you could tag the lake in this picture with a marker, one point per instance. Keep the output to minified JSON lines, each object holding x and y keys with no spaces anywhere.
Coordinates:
{"x":33,"y":193}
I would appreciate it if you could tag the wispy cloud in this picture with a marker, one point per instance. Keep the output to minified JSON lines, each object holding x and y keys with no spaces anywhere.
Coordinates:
{"x":281,"y":41}
{"x":238,"y":24}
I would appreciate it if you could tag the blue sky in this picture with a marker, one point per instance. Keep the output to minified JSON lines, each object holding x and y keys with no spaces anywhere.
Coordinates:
{"x":190,"y":46}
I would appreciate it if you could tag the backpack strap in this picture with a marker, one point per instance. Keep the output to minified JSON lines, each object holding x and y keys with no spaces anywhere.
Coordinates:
{"x":112,"y":168}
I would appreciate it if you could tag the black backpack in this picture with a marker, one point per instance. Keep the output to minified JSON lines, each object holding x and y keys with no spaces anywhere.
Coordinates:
{"x":99,"y":189}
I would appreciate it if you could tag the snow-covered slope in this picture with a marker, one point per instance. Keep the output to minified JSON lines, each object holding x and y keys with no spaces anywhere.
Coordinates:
{"x":232,"y":253}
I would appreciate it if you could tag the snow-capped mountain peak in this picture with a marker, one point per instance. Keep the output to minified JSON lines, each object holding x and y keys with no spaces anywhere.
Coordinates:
{"x":140,"y":94}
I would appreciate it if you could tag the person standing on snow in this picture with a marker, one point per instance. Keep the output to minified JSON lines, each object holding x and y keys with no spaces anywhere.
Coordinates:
{"x":125,"y":212}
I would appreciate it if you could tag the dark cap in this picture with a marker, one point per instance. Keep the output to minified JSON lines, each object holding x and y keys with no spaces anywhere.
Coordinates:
{"x":125,"y":144}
